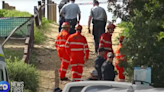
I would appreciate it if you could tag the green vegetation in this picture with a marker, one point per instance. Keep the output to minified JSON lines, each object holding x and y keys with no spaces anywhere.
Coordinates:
{"x":144,"y":43}
{"x":13,"y":13}
{"x":20,"y":71}
{"x":39,"y":32}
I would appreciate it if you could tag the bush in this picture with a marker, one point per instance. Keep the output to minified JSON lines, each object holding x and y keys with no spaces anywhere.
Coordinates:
{"x":20,"y":71}
{"x":13,"y":13}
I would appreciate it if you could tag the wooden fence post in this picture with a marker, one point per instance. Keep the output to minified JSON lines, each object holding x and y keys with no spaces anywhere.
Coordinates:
{"x":48,"y":9}
{"x":55,"y":12}
{"x":3,"y":4}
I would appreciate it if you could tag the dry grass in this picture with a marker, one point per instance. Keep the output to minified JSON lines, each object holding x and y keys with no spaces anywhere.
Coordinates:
{"x":50,"y":63}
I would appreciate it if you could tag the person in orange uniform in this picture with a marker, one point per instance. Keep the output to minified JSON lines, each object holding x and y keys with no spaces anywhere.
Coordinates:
{"x":120,"y":58}
{"x":60,"y":45}
{"x":106,"y":40}
{"x":77,"y":48}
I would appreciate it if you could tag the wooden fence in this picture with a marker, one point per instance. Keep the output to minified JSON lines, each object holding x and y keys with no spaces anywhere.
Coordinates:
{"x":51,"y":11}
{"x":29,"y":39}
{"x":7,"y":6}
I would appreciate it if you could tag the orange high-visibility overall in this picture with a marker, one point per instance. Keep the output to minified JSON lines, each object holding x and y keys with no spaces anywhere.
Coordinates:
{"x":77,"y":48}
{"x":105,"y":42}
{"x":120,"y":57}
{"x":60,"y":46}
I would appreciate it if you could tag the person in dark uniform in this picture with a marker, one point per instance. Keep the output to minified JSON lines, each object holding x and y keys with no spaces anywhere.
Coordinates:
{"x":61,"y":17}
{"x":94,"y":75}
{"x":99,"y":18}
{"x":99,"y":61}
{"x":107,"y":68}
{"x":70,"y":12}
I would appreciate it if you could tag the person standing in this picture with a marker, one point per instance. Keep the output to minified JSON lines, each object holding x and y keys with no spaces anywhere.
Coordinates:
{"x":60,"y":45}
{"x":77,"y":48}
{"x":70,"y":12}
{"x":99,"y":19}
{"x":106,"y":40}
{"x":61,"y":17}
{"x":99,"y":61}
{"x":107,"y":69}
{"x":120,"y":58}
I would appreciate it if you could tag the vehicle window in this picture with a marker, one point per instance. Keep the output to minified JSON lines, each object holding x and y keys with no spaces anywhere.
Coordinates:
{"x":1,"y":75}
{"x":76,"y":89}
{"x":6,"y":75}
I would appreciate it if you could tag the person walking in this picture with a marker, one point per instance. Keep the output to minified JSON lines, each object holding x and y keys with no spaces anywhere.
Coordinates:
{"x":60,"y":45}
{"x":61,"y":17}
{"x":77,"y":48}
{"x":99,"y":61}
{"x":107,"y":69}
{"x":70,"y":12}
{"x":120,"y":58}
{"x":99,"y":19}
{"x":106,"y":40}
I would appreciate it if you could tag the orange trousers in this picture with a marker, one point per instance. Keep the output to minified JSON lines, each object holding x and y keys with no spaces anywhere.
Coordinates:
{"x":64,"y":62}
{"x":120,"y":72}
{"x":77,"y":66}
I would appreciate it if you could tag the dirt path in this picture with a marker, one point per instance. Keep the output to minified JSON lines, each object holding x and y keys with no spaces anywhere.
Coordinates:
{"x":49,"y":61}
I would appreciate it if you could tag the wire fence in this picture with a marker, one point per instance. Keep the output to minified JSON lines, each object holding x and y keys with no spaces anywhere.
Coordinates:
{"x":8,"y":24}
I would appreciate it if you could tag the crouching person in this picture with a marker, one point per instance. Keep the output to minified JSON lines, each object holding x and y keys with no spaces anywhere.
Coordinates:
{"x":93,"y":75}
{"x":107,"y":68}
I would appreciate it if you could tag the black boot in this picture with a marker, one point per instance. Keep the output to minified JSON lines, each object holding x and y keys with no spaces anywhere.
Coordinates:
{"x":64,"y":79}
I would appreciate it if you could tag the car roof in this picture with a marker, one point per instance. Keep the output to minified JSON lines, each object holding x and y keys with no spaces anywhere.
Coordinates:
{"x":124,"y":85}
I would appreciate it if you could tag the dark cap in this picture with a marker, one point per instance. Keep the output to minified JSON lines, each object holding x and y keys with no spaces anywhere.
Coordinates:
{"x":95,"y":2}
{"x":110,"y":54}
{"x":101,"y":49}
{"x":57,"y":89}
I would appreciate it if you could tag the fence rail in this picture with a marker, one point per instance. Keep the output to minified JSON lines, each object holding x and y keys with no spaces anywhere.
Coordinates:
{"x":23,"y":26}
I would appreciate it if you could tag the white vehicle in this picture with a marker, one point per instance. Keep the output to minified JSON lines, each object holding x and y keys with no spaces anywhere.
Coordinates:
{"x":3,"y":70}
{"x":108,"y":86}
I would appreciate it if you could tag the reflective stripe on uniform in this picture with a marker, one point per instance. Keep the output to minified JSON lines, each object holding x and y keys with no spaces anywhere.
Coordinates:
{"x":77,"y":43}
{"x":63,"y":70}
{"x":60,"y":45}
{"x":65,"y":60}
{"x":79,"y":49}
{"x":75,"y":72}
{"x":72,"y":65}
{"x":108,"y":42}
{"x":118,"y":54}
{"x":107,"y":48}
{"x":80,"y":64}
{"x":60,"y":40}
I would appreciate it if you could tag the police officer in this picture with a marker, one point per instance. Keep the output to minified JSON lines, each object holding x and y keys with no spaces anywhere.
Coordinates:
{"x":61,"y":19}
{"x":107,"y":68}
{"x":99,"y":19}
{"x":70,"y":12}
{"x":99,"y":61}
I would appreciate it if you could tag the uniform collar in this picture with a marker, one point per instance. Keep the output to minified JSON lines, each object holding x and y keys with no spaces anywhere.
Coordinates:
{"x":65,"y":31}
{"x":71,"y":2}
{"x":109,"y":33}
{"x":78,"y":32}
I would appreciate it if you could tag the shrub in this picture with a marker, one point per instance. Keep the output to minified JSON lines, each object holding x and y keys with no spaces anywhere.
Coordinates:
{"x":13,"y":13}
{"x":20,"y":71}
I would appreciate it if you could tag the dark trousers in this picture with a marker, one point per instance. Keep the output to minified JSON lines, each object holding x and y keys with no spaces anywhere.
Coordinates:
{"x":98,"y":30}
{"x":73,"y":23}
{"x":61,"y":22}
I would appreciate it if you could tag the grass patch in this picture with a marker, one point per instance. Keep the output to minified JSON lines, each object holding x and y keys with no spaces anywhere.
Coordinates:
{"x":39,"y":33}
{"x":13,"y":13}
{"x":13,"y":52}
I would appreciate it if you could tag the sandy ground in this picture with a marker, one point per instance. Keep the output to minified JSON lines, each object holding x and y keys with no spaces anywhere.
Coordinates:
{"x":49,"y":60}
